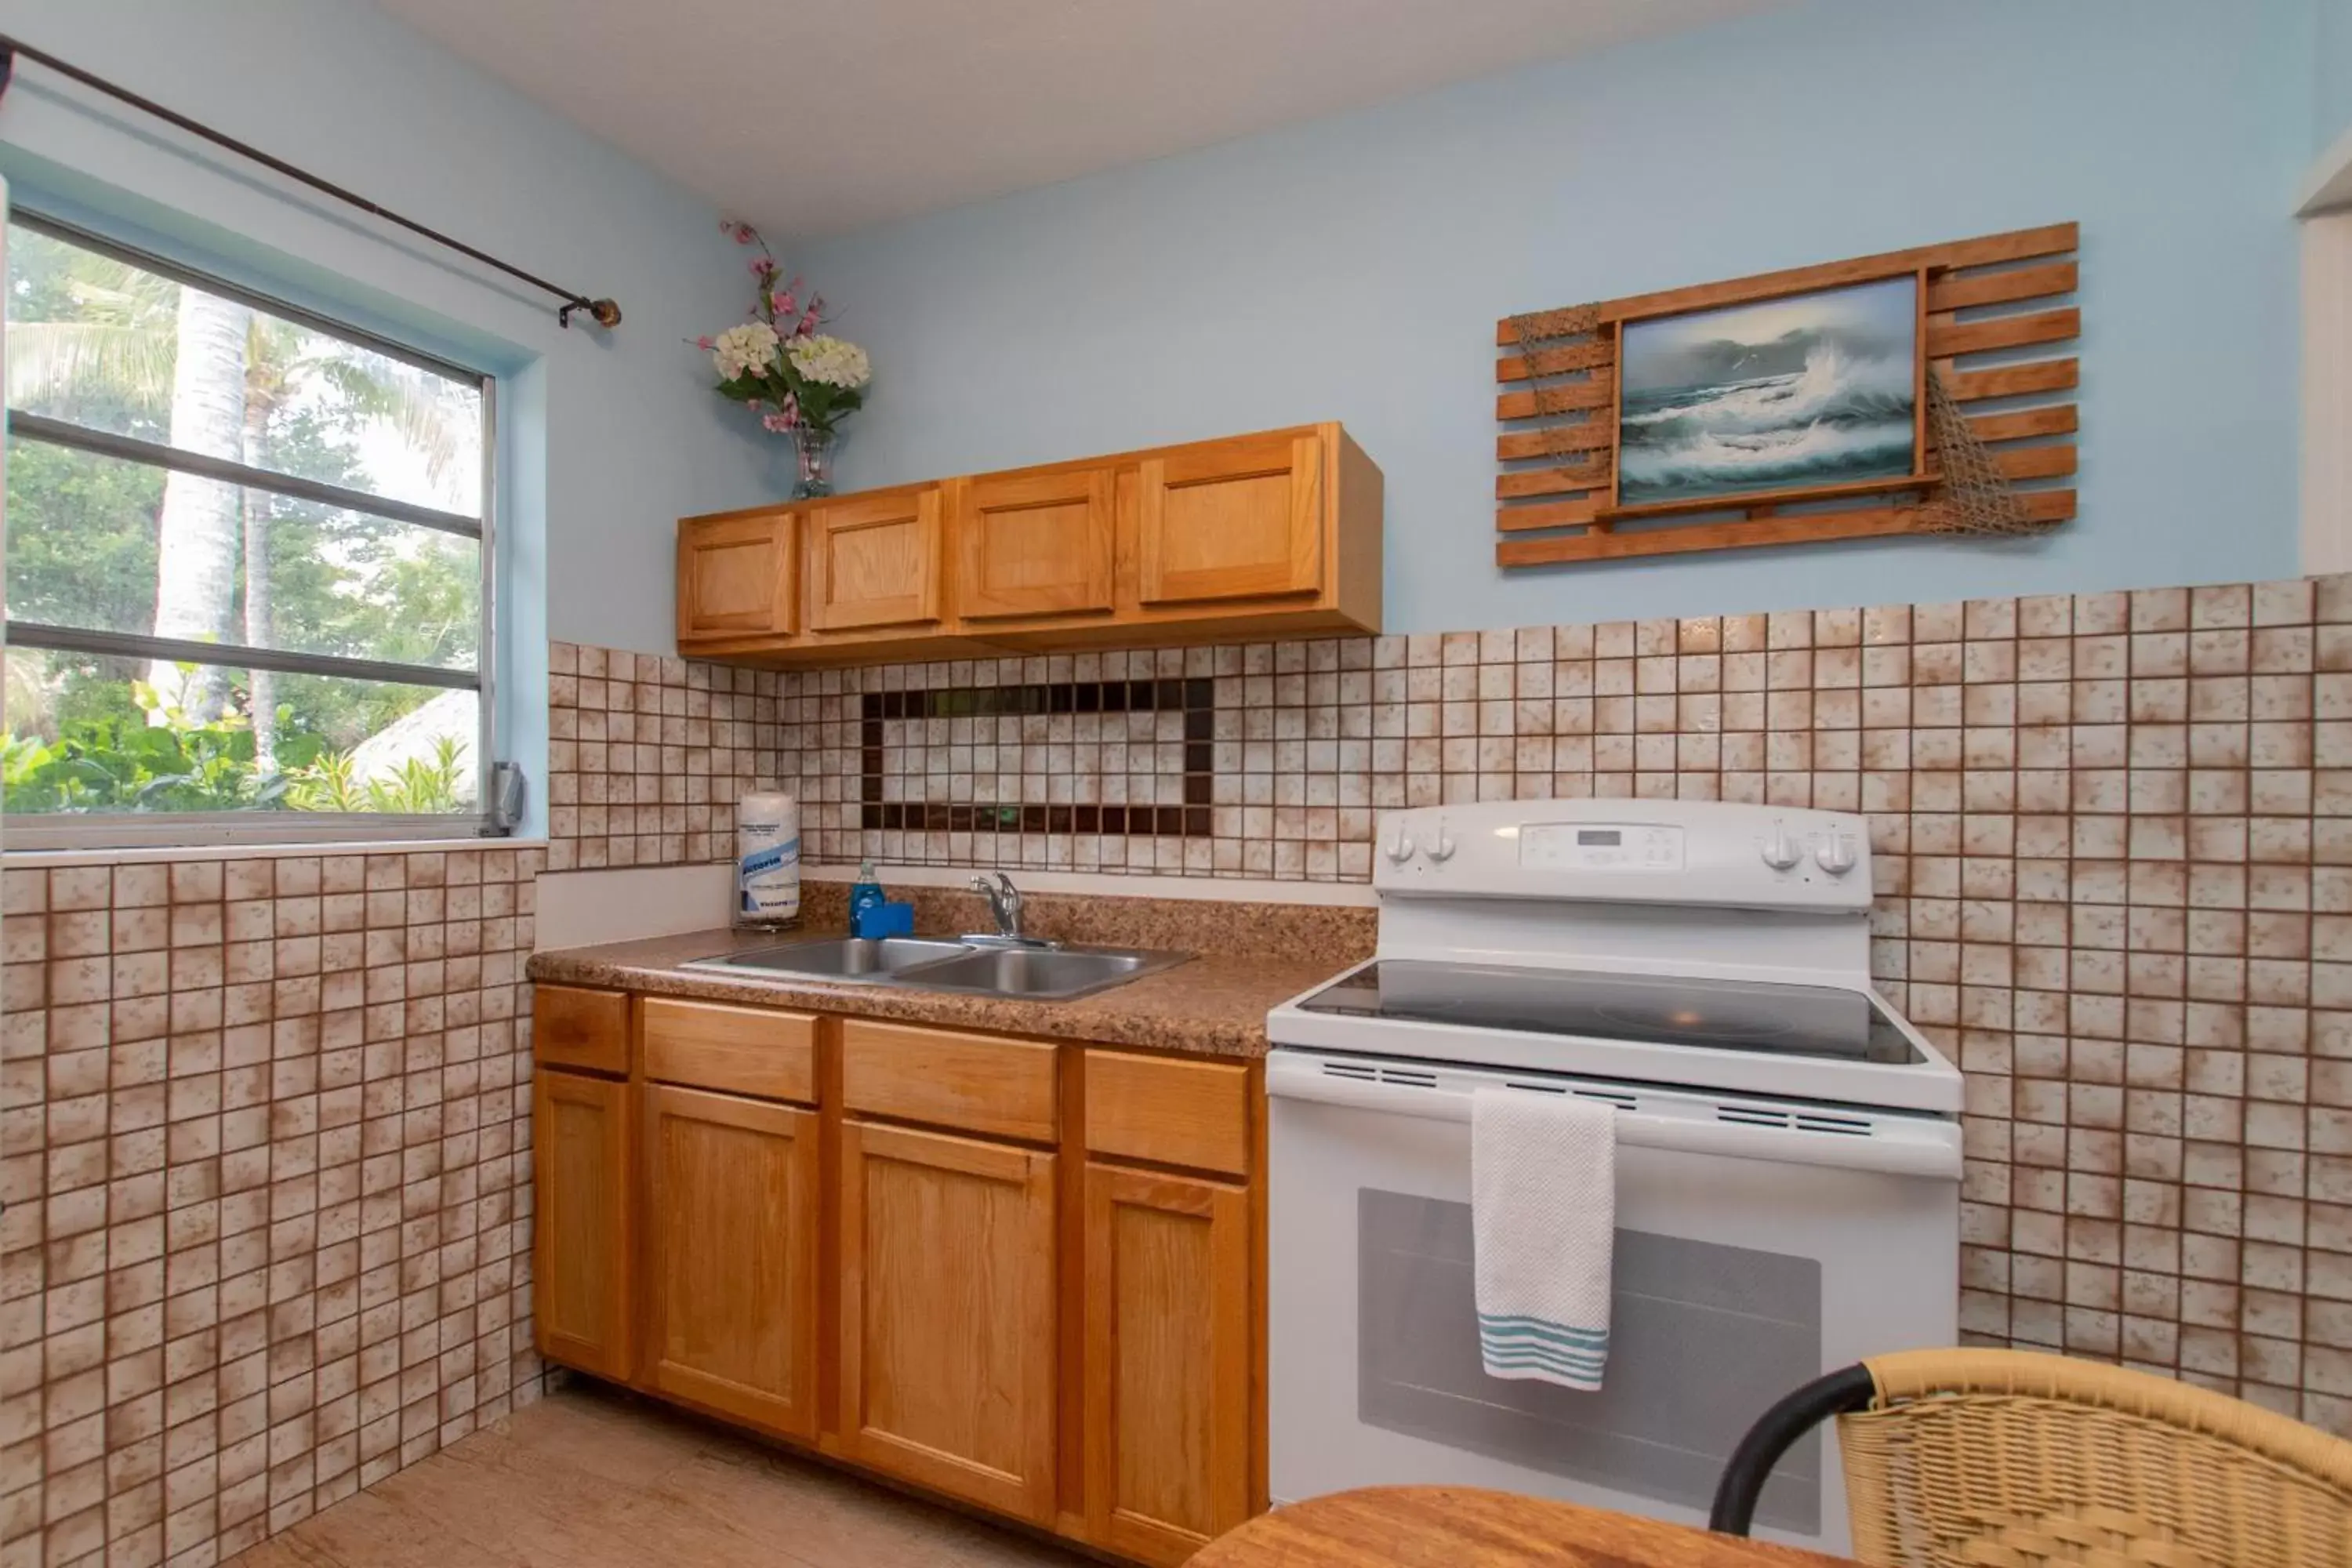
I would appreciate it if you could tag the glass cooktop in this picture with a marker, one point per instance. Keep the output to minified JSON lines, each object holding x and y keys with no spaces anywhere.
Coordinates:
{"x":1772,"y":1019}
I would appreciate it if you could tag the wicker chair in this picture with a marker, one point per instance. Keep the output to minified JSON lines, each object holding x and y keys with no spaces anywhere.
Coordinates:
{"x":1981,"y":1458}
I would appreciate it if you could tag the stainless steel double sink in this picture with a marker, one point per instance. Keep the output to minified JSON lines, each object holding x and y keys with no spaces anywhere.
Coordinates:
{"x":906,"y":963}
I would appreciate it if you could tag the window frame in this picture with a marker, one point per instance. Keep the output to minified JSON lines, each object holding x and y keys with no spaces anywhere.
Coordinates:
{"x":263,"y":828}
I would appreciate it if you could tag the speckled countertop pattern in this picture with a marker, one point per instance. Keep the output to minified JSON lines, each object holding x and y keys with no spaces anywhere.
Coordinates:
{"x":1213,"y":1005}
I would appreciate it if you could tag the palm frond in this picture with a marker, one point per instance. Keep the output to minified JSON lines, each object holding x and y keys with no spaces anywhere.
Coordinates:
{"x":78,"y":358}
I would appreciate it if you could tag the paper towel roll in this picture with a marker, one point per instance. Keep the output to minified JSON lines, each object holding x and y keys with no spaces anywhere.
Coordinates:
{"x":767,"y":858}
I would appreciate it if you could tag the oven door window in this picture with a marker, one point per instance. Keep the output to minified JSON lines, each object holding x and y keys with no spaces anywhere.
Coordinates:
{"x":1703,"y":1338}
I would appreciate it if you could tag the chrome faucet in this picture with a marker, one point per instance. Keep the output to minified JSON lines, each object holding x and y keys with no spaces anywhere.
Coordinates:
{"x":1004,"y":907}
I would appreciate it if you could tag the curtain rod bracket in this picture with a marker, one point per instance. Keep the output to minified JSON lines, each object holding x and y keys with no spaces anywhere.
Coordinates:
{"x":603,"y":313}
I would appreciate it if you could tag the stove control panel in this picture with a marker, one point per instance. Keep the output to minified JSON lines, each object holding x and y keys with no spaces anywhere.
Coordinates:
{"x":1628,"y":851}
{"x":1650,"y":847}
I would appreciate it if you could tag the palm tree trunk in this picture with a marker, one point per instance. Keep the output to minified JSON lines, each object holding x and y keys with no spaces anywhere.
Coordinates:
{"x":264,"y":702}
{"x":195,"y":574}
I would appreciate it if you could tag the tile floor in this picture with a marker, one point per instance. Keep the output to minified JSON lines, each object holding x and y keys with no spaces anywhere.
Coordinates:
{"x":589,"y":1479}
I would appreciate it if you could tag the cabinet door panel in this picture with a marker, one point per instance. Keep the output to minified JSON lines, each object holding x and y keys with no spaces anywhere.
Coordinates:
{"x":731,"y":1254}
{"x":1231,"y":519}
{"x":947,"y":1314}
{"x":1035,"y":544}
{"x":738,"y":576}
{"x":874,"y":561}
{"x":1167,"y":1362}
{"x":581,"y":1223}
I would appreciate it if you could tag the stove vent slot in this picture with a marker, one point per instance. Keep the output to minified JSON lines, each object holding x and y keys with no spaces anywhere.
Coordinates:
{"x":1607,"y":1097}
{"x":1791,"y":1121}
{"x":1404,"y":1077}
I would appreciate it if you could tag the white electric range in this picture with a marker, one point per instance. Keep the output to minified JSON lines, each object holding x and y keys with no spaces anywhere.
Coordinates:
{"x":1788,"y":1168}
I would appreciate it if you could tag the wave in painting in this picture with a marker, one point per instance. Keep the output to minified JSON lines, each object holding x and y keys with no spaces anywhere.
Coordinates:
{"x":1776,"y":395}
{"x":1839,"y":418}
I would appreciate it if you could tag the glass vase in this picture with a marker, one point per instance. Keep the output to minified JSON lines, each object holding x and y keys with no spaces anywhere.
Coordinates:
{"x":814,"y":448}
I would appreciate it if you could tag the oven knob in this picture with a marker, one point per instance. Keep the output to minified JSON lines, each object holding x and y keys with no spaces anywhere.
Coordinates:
{"x":1400,"y":848}
{"x":1781,"y":851}
{"x":1442,"y":850}
{"x":1836,"y":853}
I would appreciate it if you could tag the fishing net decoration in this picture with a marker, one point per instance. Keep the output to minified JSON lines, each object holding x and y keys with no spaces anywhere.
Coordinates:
{"x":1971,"y":497}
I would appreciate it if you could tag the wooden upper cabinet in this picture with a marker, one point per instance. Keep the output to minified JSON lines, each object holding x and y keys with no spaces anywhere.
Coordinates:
{"x":948,"y":1340}
{"x":874,"y":561}
{"x":731,"y":1245}
{"x":1248,"y":537}
{"x":583,"y":1243}
{"x":1035,"y":543}
{"x":1239,"y":519}
{"x":738,"y":576}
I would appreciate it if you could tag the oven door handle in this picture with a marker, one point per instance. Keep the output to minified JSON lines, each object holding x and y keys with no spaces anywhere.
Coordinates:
{"x":1914,"y":1147}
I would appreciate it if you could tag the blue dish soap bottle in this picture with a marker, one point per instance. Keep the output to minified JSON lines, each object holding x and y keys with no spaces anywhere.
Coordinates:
{"x":864,"y":894}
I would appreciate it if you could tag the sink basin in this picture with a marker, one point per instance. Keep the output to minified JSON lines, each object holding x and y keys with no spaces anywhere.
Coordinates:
{"x":1039,"y":971}
{"x":919,"y":964}
{"x":837,"y":958}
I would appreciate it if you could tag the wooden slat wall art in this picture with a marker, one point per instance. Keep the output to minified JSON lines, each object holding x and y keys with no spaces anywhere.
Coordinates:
{"x":1556,"y":491}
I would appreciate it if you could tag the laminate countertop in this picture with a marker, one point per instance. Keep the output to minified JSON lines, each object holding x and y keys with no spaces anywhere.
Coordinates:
{"x":1213,"y":1005}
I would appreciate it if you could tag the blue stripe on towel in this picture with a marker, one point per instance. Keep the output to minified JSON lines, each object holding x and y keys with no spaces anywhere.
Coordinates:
{"x":1536,"y":1329}
{"x":1512,"y":1342}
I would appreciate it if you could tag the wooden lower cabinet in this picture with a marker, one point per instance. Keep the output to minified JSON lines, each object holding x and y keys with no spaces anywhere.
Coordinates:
{"x":1022,"y":1274}
{"x":1168,"y":1415}
{"x":583,"y":1249}
{"x":947,"y":1314}
{"x":731,"y":1251}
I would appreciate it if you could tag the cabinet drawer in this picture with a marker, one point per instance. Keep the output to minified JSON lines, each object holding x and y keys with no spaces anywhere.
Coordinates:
{"x":735,"y":1050}
{"x":587,"y":1030}
{"x":976,"y":1082}
{"x":1169,"y":1111}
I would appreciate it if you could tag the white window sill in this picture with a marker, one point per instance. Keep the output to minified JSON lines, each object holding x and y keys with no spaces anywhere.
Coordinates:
{"x":151,"y":854}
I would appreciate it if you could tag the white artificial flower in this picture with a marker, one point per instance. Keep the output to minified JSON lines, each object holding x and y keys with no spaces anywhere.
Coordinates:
{"x":738,"y":351}
{"x":831,"y":361}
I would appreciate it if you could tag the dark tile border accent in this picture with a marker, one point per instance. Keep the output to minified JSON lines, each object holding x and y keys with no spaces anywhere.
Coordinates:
{"x":1195,"y":697}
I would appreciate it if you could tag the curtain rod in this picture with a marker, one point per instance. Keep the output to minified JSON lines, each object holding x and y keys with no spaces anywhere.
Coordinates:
{"x":603,"y":313}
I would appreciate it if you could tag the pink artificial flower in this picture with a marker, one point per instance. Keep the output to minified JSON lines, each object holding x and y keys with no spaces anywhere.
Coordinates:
{"x":743,"y":232}
{"x":782,"y":302}
{"x":763,"y":267}
{"x":779,"y":422}
{"x":706,"y":344}
{"x":808,"y":325}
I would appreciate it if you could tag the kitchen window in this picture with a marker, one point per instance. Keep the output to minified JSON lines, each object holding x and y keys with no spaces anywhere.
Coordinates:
{"x":248,"y":564}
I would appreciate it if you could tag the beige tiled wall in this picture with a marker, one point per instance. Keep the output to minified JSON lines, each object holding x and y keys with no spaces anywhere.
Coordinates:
{"x":265,"y":1156}
{"x":647,"y":756}
{"x":2114,"y":850}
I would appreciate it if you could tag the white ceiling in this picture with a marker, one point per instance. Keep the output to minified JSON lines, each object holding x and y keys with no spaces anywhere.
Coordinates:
{"x":815,"y":117}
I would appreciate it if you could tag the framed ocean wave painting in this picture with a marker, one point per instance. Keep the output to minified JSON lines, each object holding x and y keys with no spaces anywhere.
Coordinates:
{"x":1817,"y":392}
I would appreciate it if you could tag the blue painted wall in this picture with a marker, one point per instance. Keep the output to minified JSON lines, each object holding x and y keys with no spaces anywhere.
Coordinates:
{"x":2331,"y":59}
{"x":1354,"y":268}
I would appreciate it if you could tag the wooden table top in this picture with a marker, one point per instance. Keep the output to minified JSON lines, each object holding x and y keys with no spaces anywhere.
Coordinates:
{"x":1462,"y":1527}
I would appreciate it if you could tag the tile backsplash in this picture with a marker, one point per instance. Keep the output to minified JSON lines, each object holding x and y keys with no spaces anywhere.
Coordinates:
{"x":264,"y":1152}
{"x":647,"y":757}
{"x":2113,"y":838}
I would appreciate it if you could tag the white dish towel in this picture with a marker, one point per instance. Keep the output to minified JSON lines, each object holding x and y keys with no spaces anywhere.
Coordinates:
{"x":1543,"y":1208}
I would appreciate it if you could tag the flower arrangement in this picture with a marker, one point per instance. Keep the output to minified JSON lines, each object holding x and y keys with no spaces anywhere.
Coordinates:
{"x":796,"y":378}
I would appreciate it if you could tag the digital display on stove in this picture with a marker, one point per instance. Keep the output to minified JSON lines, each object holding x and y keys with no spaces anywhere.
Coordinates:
{"x":1823,"y":1021}
{"x":1601,"y":838}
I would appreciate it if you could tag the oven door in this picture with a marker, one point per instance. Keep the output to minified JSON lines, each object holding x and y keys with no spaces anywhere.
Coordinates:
{"x":1752,"y":1255}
